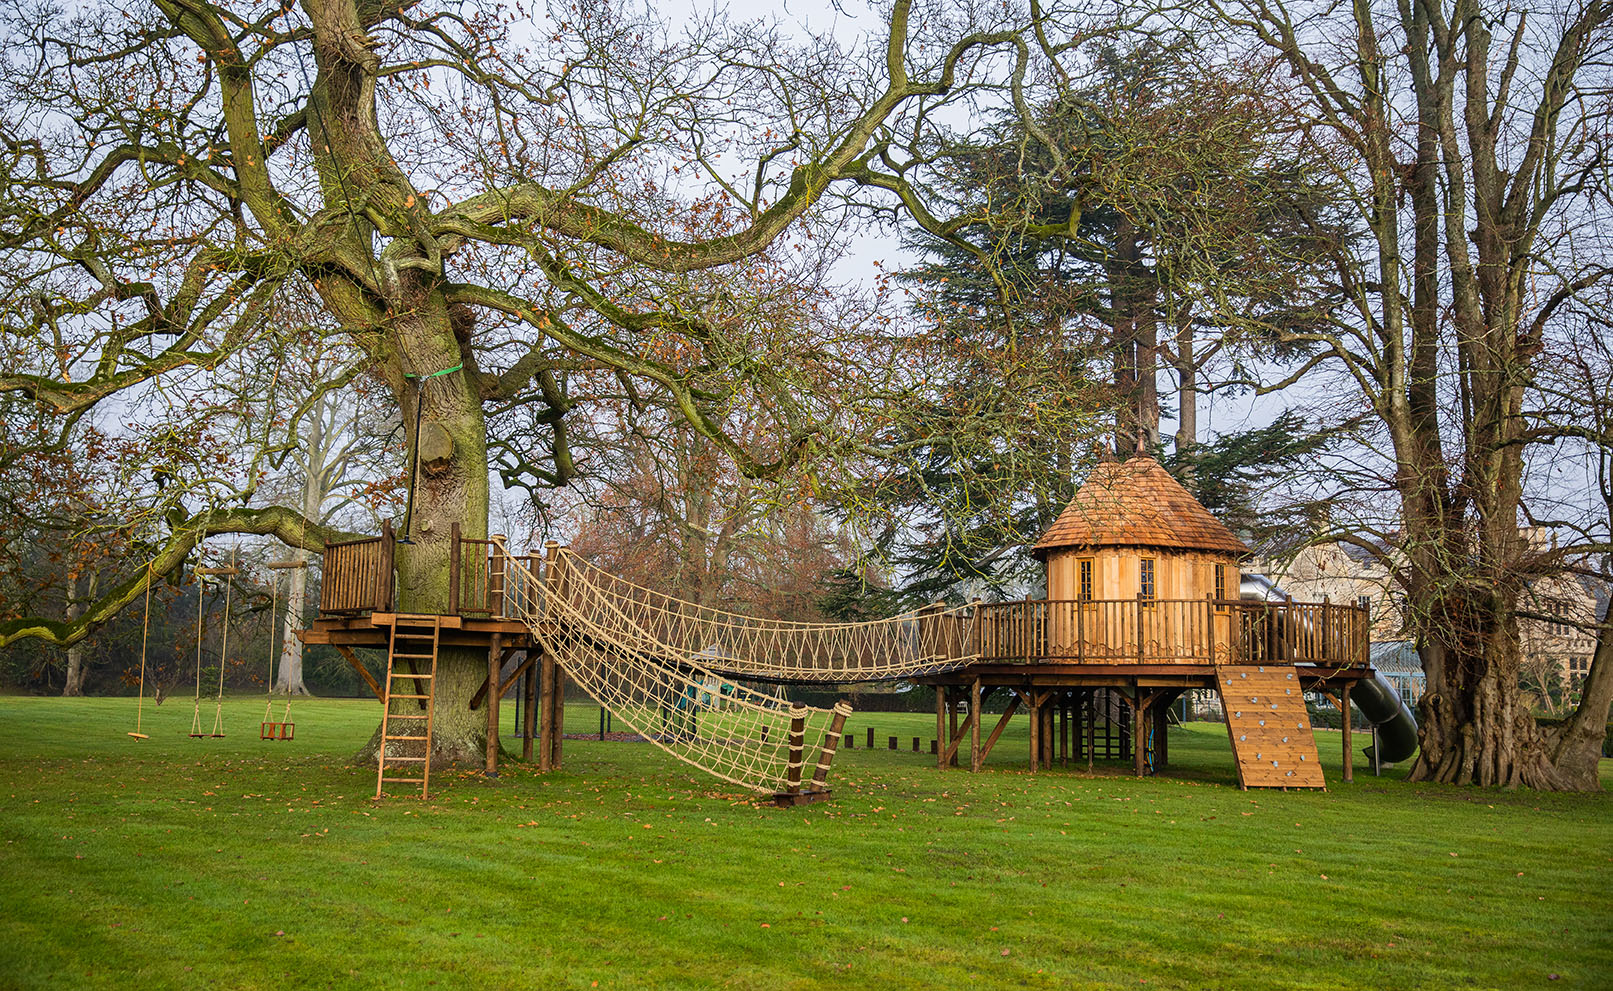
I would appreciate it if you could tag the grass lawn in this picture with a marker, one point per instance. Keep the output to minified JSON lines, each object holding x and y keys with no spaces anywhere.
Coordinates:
{"x":235,"y":863}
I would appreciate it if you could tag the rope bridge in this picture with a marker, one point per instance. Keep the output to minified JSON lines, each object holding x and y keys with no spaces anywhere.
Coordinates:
{"x":665,"y":667}
{"x":743,"y":736}
{"x":926,"y":641}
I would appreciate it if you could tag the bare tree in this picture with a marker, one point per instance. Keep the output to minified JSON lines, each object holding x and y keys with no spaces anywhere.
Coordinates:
{"x":478,"y":215}
{"x":1474,"y":139}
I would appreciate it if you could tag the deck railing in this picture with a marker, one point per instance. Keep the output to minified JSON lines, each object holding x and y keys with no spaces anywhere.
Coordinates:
{"x":1172,"y":631}
{"x":481,"y":581}
{"x":357,"y":575}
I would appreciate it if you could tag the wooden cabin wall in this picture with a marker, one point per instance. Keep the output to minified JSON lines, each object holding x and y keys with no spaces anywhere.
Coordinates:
{"x":1180,"y":626}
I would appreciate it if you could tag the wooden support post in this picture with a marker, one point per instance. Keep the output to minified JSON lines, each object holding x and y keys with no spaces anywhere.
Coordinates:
{"x":991,"y":741}
{"x":1049,"y":731}
{"x":792,"y":773}
{"x":1036,"y":732}
{"x":1064,"y":729}
{"x":952,"y":723}
{"x":949,"y":753}
{"x":940,"y":722}
{"x":1344,"y":723}
{"x":529,"y":714}
{"x":559,"y":716}
{"x":1092,"y":726}
{"x":870,"y":738}
{"x":495,"y":657}
{"x":453,"y":569}
{"x":831,"y":742}
{"x":546,"y":672}
{"x":974,"y":726}
{"x":1139,"y":724}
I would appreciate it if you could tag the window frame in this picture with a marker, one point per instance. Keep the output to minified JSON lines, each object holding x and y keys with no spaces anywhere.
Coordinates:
{"x":1148,"y":580}
{"x":1084,"y":579}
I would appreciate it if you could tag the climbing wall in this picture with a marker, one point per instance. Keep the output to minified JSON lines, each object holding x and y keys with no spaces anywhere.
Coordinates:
{"x":1270,"y":728}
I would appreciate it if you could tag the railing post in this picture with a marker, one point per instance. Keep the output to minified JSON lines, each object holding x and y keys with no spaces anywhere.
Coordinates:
{"x":453,"y":569}
{"x":1080,"y":628}
{"x":495,"y":575}
{"x":1327,"y":629}
{"x":831,"y":742}
{"x":1138,"y":630}
{"x":384,"y":581}
{"x":792,"y":776}
{"x":552,"y":577}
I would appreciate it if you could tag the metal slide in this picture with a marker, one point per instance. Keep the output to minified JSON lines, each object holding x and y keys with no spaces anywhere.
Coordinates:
{"x":1377,"y":699}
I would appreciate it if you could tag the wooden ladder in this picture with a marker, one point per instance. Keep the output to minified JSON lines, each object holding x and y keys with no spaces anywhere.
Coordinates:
{"x":414,"y":639}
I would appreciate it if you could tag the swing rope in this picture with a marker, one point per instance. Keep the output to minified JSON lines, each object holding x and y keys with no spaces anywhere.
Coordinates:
{"x":145,"y":633}
{"x":196,"y":710}
{"x":223,"y":653}
{"x":274,"y":599}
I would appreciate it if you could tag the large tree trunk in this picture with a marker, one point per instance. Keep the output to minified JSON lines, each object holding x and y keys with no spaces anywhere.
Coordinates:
{"x":78,"y":667}
{"x":1475,"y":719}
{"x":288,"y":680}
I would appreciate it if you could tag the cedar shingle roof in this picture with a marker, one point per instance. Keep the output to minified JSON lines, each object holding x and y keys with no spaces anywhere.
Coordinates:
{"x":1137,"y":503}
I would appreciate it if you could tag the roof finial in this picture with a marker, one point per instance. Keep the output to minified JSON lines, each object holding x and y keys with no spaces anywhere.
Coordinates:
{"x":1142,"y":448}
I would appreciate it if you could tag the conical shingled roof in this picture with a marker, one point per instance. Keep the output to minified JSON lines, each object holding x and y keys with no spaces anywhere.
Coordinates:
{"x":1137,"y":503}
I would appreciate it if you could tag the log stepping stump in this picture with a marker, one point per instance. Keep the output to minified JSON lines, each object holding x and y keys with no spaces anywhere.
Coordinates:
{"x":1270,"y":727}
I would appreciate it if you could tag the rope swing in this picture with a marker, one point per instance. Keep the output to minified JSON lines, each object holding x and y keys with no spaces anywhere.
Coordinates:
{"x":284,"y":728}
{"x":223,"y":647}
{"x":145,"y":633}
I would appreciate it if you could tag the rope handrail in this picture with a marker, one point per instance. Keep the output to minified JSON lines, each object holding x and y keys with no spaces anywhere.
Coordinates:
{"x":931,"y":640}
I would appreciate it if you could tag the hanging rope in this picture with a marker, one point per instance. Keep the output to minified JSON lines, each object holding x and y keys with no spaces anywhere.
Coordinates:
{"x":196,"y":710}
{"x":223,"y":652}
{"x":264,"y":732}
{"x":145,"y":632}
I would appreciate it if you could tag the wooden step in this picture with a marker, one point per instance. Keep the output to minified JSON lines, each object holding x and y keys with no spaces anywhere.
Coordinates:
{"x":405,"y":674}
{"x":403,"y":781}
{"x":395,"y":695}
{"x":405,"y":760}
{"x":402,"y":738}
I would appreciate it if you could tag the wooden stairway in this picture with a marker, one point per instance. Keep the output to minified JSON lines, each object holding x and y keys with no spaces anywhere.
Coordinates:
{"x":414,"y":640}
{"x":1270,"y":727}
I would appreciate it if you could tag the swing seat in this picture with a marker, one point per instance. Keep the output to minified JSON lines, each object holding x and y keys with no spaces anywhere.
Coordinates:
{"x":139,"y":736}
{"x":277,"y":731}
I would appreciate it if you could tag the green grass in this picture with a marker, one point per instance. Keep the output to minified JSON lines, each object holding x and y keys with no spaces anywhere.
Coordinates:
{"x":234,"y":863}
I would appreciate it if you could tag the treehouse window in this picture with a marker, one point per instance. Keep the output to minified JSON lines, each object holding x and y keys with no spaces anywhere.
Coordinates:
{"x":1220,"y":586}
{"x":1084,"y":580}
{"x":1145,"y":578}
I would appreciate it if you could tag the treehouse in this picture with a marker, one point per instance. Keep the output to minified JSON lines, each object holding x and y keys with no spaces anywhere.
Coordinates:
{"x":1143,"y":604}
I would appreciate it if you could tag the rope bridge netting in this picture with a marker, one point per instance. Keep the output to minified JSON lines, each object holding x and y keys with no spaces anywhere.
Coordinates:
{"x":732,"y":732}
{"x":659,"y":664}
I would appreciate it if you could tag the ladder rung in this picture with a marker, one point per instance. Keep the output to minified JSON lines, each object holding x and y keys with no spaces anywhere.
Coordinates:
{"x":406,"y":715}
{"x":403,"y":738}
{"x":423,"y":657}
{"x":402,"y":781}
{"x":405,"y":674}
{"x":401,"y":760}
{"x":395,"y":695}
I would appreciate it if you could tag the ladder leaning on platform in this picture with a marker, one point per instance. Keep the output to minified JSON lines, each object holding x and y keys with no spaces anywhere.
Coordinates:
{"x":414,"y":640}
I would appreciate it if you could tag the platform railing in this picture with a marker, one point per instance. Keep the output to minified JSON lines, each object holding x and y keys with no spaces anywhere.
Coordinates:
{"x":358,"y":575}
{"x":1172,"y":631}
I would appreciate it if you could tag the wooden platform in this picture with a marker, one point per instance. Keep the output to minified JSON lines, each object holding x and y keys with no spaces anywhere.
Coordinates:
{"x":1270,"y":728}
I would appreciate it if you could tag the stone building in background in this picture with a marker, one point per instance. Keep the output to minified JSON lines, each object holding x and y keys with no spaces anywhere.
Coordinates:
{"x":1561,"y":611}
